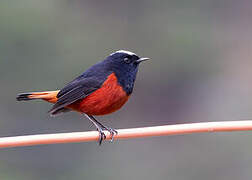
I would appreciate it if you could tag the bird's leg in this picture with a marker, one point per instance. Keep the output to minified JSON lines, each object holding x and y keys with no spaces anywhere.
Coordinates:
{"x":110,"y":130}
{"x":99,"y":128}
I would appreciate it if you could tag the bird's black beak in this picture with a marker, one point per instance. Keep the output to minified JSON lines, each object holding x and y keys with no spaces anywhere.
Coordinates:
{"x":142,"y":59}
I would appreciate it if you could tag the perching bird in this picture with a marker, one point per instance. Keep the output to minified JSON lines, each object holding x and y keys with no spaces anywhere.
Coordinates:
{"x":102,"y":89}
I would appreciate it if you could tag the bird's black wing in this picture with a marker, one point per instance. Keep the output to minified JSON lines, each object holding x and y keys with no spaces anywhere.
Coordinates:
{"x":75,"y":90}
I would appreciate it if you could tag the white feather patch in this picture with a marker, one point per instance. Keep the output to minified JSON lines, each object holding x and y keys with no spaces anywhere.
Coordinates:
{"x":123,"y":51}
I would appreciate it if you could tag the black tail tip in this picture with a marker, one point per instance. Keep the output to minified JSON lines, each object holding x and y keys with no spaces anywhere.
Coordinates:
{"x":23,"y":97}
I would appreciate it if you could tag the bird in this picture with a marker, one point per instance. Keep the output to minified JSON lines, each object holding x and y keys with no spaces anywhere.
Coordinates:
{"x":102,"y":89}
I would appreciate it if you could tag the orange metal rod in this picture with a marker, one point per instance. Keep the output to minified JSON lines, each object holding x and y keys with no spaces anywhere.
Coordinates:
{"x":178,"y":129}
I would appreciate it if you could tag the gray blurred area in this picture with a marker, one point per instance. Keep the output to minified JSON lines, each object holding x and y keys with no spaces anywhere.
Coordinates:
{"x":201,"y":70}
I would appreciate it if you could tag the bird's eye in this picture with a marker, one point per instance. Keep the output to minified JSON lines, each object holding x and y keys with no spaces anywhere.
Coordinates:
{"x":127,"y":60}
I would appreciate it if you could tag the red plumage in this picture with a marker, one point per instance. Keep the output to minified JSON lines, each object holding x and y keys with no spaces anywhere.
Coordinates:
{"x":107,"y":99}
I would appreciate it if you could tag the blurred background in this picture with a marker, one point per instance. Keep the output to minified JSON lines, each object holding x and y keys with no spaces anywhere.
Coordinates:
{"x":200,"y":71}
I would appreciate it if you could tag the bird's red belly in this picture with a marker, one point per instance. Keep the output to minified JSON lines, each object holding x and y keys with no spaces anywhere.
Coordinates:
{"x":109,"y":98}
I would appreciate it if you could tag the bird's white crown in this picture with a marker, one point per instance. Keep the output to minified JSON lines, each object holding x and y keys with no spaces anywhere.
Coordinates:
{"x":123,"y":51}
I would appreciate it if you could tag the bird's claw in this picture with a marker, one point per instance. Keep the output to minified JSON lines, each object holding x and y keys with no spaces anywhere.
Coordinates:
{"x":112,"y":132}
{"x":102,"y":136}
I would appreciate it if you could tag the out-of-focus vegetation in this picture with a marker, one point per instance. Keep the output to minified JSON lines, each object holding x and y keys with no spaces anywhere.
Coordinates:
{"x":200,"y":71}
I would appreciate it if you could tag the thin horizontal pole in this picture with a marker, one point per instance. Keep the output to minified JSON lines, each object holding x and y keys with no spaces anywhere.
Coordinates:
{"x":166,"y":130}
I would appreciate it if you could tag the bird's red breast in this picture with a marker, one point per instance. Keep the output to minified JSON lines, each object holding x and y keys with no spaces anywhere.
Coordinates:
{"x":107,"y":99}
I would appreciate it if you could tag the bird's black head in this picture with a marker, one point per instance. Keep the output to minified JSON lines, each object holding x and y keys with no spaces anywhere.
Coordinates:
{"x":124,"y":61}
{"x":125,"y":65}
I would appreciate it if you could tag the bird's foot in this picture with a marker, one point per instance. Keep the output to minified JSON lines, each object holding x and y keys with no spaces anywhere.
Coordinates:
{"x":100,"y":128}
{"x":112,"y":132}
{"x":102,"y":135}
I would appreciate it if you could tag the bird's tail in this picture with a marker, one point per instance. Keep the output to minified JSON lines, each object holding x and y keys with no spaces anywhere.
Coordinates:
{"x":50,"y":96}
